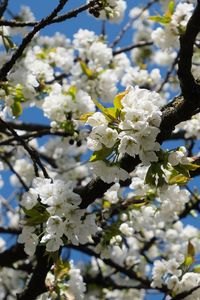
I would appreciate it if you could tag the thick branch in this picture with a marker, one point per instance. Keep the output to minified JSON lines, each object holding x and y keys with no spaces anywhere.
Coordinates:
{"x":187,"y":40}
{"x":10,"y":230}
{"x":36,"y":285}
{"x":13,"y":254}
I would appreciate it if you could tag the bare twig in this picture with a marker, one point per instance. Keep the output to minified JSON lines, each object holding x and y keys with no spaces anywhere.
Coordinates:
{"x":27,"y":39}
{"x":133,"y":46}
{"x":3,"y":6}
{"x":15,"y":172}
{"x":168,"y":74}
{"x":33,"y":153}
{"x":130,"y":23}
{"x":69,"y":15}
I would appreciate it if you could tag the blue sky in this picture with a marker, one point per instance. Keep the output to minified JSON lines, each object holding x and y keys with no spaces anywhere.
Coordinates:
{"x":71,"y":26}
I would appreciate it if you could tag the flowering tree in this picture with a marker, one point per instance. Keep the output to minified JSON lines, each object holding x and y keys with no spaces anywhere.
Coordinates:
{"x":127,"y":205}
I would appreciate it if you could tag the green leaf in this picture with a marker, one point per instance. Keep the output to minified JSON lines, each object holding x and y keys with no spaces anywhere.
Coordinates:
{"x":67,"y":126}
{"x":85,"y":117}
{"x":178,"y":179}
{"x":108,"y":112}
{"x":196,"y":268}
{"x":171,"y":7}
{"x":149,"y":179}
{"x":166,"y":19}
{"x":8,"y":43}
{"x":41,"y":55}
{"x":106,"y":204}
{"x":118,"y":98}
{"x":61,"y":269}
{"x":86,"y":70}
{"x":182,"y":170}
{"x":35,"y":216}
{"x":137,"y":204}
{"x":19,"y":96}
{"x":192,"y":167}
{"x":101,"y":154}
{"x":159,"y":19}
{"x":99,"y":106}
{"x":111,"y":112}
{"x":17,"y":109}
{"x":190,"y":257}
{"x":155,"y":175}
{"x":188,"y":261}
{"x":72,"y":91}
{"x":191,"y":249}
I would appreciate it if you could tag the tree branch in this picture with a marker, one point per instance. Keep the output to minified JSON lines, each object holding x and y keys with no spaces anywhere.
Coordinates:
{"x":33,"y":153}
{"x":13,"y":254}
{"x":168,"y":74}
{"x":128,"y":25}
{"x":69,"y":15}
{"x":14,"y":172}
{"x":183,"y":295}
{"x":10,"y":230}
{"x":36,"y":284}
{"x":3,"y":6}
{"x":130,"y":47}
{"x":27,"y":39}
{"x":187,"y":41}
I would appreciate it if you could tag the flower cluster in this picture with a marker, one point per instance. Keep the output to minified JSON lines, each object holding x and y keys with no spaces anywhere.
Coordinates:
{"x":67,"y":285}
{"x":54,"y":205}
{"x":133,"y":129}
{"x":76,"y":284}
{"x":170,"y":273}
{"x":176,"y":20}
{"x":65,"y":103}
{"x":112,"y":10}
{"x":191,"y":127}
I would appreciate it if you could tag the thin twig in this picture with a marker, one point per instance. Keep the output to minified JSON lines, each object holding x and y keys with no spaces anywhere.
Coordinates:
{"x":71,"y":14}
{"x":15,"y":172}
{"x":168,"y":74}
{"x":27,"y":39}
{"x":130,"y":47}
{"x":3,"y":6}
{"x":33,"y":153}
{"x":130,"y":23}
{"x":183,"y":295}
{"x":9,"y":230}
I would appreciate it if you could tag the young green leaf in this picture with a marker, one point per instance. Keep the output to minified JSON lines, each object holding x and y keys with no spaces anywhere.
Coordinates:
{"x":101,"y":154}
{"x":17,"y":109}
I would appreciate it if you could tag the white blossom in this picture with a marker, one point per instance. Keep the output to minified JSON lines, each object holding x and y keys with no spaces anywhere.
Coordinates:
{"x":76,"y":284}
